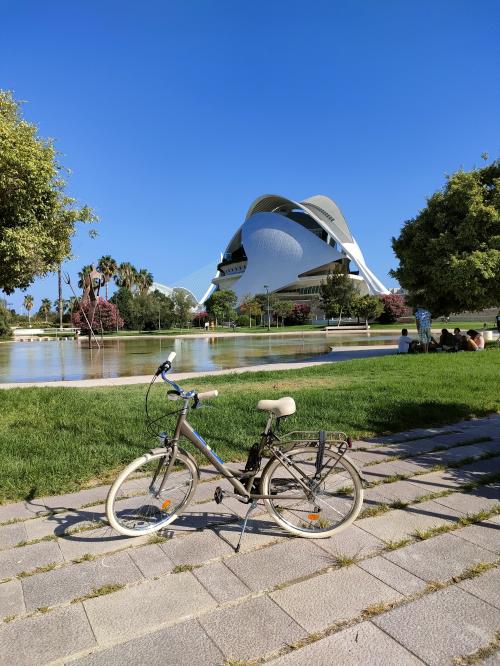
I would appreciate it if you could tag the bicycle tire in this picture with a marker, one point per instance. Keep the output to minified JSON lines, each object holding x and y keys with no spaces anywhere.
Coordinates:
{"x":316,"y":519}
{"x":131,"y":484}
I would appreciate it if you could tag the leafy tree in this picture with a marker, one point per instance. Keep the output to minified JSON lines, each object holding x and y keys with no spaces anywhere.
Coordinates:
{"x":37,"y":219}
{"x":282,"y":309}
{"x":184,"y":303}
{"x":221,"y":305}
{"x":265,"y":300}
{"x":28,"y":305}
{"x":45,"y":308}
{"x":251,"y":307}
{"x":143,"y":280}
{"x":337,"y":295}
{"x":301,"y":313}
{"x":449,"y":254}
{"x":394,"y":307}
{"x":200,"y":318}
{"x":5,"y":317}
{"x":126,"y":276}
{"x":124,"y":300}
{"x":108,"y":267}
{"x":106,"y":317}
{"x":367,"y":307}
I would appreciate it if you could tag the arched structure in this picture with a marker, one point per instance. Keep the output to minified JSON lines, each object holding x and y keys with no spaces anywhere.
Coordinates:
{"x":291,"y":246}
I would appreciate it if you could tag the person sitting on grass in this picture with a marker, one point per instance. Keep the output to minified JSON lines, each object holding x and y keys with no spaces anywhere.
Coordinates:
{"x":446,"y":340}
{"x":457,"y":334}
{"x":467,"y":343}
{"x":404,"y":342}
{"x":477,"y":338}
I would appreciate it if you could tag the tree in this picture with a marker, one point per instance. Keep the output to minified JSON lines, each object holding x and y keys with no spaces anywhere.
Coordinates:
{"x":124,"y":300}
{"x":282,"y":309}
{"x":183,"y":305}
{"x":37,"y":219}
{"x":337,"y":295}
{"x":143,"y":280}
{"x":86,"y":270}
{"x":5,"y":317}
{"x":393,"y":307}
{"x":126,"y":276}
{"x":250,"y":306}
{"x":300,"y":314}
{"x":108,"y":267}
{"x":28,"y":306}
{"x":265,"y":301}
{"x":221,"y":305}
{"x":106,"y":317}
{"x":45,"y":308}
{"x":367,"y":307}
{"x":449,"y":254}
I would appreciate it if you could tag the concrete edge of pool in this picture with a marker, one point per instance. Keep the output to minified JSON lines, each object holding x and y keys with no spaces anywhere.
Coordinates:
{"x":340,"y":354}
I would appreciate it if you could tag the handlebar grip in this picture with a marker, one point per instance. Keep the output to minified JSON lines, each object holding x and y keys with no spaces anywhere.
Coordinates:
{"x":171,"y":357}
{"x":208,"y":394}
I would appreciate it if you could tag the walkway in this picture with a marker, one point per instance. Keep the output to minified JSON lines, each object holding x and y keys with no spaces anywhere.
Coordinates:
{"x":414,"y":581}
{"x":340,"y":354}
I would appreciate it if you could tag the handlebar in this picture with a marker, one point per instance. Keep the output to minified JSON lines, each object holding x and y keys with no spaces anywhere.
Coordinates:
{"x":166,"y":366}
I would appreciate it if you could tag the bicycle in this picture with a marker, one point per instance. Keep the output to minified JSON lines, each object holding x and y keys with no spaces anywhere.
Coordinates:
{"x":308,"y":485}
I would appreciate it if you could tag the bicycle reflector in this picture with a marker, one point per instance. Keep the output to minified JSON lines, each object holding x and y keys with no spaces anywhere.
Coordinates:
{"x":166,"y":504}
{"x":313,"y":516}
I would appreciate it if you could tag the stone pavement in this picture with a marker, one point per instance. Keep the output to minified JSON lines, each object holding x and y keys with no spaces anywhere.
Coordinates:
{"x":414,"y":581}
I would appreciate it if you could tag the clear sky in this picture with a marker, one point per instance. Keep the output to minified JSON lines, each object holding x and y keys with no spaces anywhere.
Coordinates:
{"x":175,"y":115}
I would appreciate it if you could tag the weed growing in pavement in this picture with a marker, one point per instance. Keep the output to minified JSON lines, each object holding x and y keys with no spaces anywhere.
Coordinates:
{"x":38,"y":570}
{"x":100,"y":592}
{"x":86,"y":557}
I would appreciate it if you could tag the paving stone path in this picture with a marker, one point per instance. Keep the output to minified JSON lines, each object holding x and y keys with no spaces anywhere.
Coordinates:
{"x":414,"y":581}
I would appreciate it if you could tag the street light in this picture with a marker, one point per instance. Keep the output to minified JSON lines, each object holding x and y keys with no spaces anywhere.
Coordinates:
{"x":268,"y":316}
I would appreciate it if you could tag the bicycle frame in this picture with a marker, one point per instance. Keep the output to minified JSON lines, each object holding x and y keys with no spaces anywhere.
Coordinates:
{"x":183,"y":428}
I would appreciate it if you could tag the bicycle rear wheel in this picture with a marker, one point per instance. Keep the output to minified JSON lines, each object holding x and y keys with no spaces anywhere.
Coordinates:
{"x":133,"y":506}
{"x":330,"y":503}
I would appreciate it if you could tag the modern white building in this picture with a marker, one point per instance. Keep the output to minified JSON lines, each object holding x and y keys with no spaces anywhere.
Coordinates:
{"x":291,"y":246}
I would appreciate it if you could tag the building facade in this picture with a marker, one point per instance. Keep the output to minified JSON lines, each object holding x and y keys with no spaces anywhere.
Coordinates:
{"x":289,"y":247}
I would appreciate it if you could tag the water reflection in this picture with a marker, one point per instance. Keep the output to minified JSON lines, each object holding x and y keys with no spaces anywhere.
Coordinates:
{"x":67,"y":359}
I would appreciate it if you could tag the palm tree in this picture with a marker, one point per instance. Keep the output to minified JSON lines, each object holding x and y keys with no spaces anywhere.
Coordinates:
{"x":127,"y":275}
{"x":108,"y":267}
{"x":86,"y":270}
{"x":144,"y":280}
{"x":45,"y":307}
{"x":28,"y":306}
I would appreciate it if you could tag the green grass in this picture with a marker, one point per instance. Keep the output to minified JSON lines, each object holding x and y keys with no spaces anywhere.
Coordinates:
{"x":55,"y":440}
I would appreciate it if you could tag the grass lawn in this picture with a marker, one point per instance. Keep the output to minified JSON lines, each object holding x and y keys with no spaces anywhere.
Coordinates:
{"x":62,"y":439}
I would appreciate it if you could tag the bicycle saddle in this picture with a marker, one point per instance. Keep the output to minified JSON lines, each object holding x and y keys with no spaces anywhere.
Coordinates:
{"x":281,"y":407}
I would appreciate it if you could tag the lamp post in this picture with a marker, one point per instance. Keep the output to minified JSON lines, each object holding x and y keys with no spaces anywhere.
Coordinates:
{"x":159,"y":319}
{"x":268,"y":316}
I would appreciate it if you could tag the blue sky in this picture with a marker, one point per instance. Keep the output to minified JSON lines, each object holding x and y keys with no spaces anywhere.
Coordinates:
{"x":175,"y":115}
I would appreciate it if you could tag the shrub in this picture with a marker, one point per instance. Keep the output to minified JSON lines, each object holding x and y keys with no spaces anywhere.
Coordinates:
{"x":394,"y":307}
{"x":106,"y":317}
{"x":243,"y":320}
{"x":300,"y":314}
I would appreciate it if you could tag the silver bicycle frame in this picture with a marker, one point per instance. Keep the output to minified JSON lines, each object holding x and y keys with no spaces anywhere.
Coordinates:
{"x":185,"y":429}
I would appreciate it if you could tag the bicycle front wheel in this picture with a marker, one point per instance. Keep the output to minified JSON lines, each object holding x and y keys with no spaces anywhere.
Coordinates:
{"x":330,"y":502}
{"x":135,"y":506}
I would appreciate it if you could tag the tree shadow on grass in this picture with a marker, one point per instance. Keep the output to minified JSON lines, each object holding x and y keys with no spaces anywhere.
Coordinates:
{"x":420,"y":414}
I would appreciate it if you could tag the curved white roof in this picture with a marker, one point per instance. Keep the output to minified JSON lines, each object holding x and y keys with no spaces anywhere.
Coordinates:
{"x":328,"y":215}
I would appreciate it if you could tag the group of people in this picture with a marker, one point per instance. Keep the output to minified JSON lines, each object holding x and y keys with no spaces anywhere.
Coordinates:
{"x":449,"y":342}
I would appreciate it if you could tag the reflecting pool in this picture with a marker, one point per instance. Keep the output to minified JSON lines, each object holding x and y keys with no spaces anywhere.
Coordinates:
{"x":58,"y":359}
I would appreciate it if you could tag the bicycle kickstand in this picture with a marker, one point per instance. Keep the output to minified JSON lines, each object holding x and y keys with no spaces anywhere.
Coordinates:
{"x":251,"y":508}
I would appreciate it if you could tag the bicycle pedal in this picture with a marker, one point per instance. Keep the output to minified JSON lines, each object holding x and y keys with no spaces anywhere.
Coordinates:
{"x":218,"y":495}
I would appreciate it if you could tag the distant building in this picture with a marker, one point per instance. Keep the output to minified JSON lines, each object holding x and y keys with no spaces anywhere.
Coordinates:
{"x":291,"y":247}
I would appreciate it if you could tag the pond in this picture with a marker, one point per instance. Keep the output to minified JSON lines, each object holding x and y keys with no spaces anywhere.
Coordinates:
{"x":121,"y":357}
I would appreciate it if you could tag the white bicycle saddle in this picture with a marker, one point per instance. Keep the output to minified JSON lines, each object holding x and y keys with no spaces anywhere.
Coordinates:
{"x":281,"y":407}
